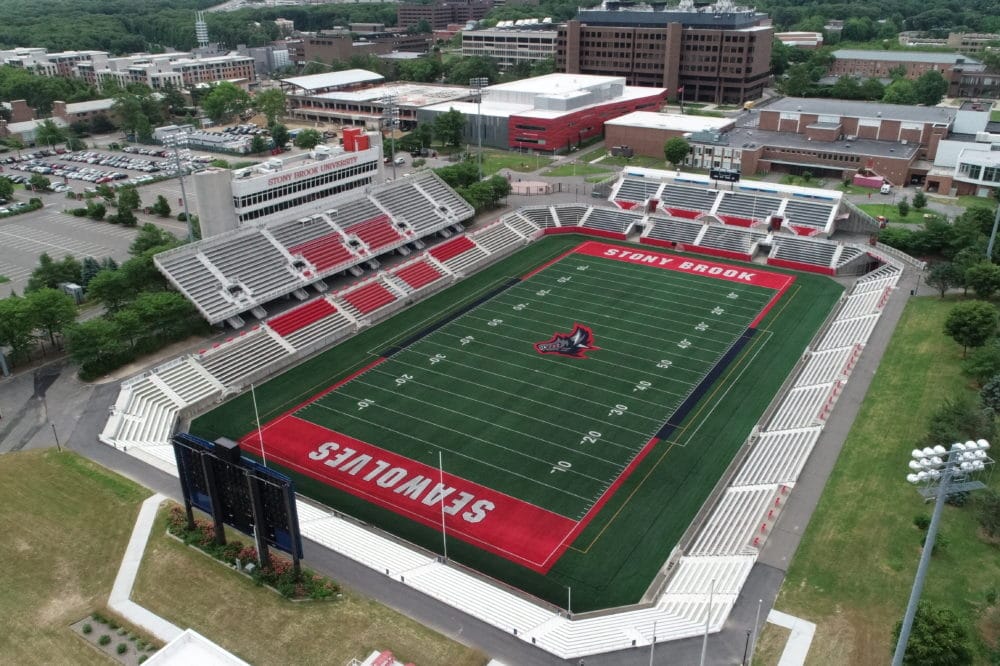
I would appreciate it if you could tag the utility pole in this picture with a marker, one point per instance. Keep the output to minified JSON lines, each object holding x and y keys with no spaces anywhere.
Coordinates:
{"x":391,"y":119}
{"x":477,"y":84}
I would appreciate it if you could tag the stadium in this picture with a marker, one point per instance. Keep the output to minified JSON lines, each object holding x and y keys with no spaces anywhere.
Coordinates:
{"x":575,"y":423}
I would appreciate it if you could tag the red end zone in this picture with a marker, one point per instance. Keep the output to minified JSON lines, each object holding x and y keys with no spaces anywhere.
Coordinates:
{"x":486,"y":518}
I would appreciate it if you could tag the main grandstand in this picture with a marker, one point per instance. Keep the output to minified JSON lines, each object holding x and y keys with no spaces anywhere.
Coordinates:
{"x":688,"y":219}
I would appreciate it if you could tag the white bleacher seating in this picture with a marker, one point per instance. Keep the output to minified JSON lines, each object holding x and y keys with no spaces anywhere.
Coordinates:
{"x":196,"y":282}
{"x":694,"y":575}
{"x":292,"y":233}
{"x":777,"y":457}
{"x":747,"y":205}
{"x":188,"y":380}
{"x":731,"y":239}
{"x":540,"y":215}
{"x":688,"y":198}
{"x":353,"y":212}
{"x":431,"y":183}
{"x":611,"y":220}
{"x":405,"y":202}
{"x":498,"y":238}
{"x":636,"y":189}
{"x":333,"y":324}
{"x":521,"y":225}
{"x":864,"y":303}
{"x":255,"y":261}
{"x":844,"y":332}
{"x":243,"y":356}
{"x":808,"y":213}
{"x":791,"y":248}
{"x":735,"y":520}
{"x":148,"y":417}
{"x":825,"y":366}
{"x":801,"y":407}
{"x":571,"y":214}
{"x":674,"y":230}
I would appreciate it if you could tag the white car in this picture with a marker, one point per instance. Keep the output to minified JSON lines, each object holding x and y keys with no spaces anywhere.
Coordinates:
{"x":886,"y":188}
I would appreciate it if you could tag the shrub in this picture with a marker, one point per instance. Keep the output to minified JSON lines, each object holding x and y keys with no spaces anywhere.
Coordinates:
{"x":988,"y":512}
{"x":922,"y":521}
{"x":87,"y":628}
{"x":904,"y":207}
{"x":78,"y":212}
{"x":957,"y":499}
{"x":113,"y":625}
{"x":98,"y":617}
{"x":122,"y":648}
{"x":122,"y":631}
{"x":104,"y":640}
{"x":941,"y":542}
{"x":143,"y":658}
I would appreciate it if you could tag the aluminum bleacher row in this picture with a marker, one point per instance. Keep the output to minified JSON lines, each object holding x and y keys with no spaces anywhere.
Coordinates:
{"x":749,"y":205}
{"x":723,"y":549}
{"x":234,"y":272}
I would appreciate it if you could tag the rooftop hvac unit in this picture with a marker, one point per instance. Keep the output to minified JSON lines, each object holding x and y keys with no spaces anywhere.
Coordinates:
{"x":275,"y":163}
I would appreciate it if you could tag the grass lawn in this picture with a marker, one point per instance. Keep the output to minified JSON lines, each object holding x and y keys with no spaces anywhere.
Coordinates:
{"x":191,"y":589}
{"x":577,"y":170}
{"x":591,"y":155}
{"x":854,"y":568}
{"x":913,"y":216}
{"x":995,"y":116}
{"x":636,"y":161}
{"x":494,"y":160}
{"x":966,"y":201}
{"x":770,"y":645}
{"x":855,"y":189}
{"x":65,"y":523}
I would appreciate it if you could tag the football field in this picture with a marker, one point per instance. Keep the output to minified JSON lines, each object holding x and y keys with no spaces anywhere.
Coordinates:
{"x":543,"y":416}
{"x":539,"y":398}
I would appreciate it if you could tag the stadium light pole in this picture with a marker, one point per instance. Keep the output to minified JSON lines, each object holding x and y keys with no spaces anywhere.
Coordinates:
{"x":939,"y":477}
{"x":175,"y":141}
{"x":477,"y":84}
{"x":652,"y":644}
{"x":444,"y":533}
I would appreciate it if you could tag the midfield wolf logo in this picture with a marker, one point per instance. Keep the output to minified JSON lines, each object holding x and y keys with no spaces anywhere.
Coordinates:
{"x":575,"y":344}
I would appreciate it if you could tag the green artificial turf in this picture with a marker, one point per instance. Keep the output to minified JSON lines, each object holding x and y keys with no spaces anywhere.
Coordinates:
{"x":483,"y":391}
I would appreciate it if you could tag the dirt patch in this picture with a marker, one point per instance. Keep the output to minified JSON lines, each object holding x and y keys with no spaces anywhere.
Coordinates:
{"x":989,"y":627}
{"x":770,"y":645}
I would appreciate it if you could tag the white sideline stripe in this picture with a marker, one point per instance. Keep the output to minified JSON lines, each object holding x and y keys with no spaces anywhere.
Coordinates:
{"x":119,"y":600}
{"x":799,"y":640}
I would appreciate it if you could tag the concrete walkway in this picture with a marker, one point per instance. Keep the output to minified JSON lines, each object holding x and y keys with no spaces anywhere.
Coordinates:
{"x":799,"y":640}
{"x":119,"y":600}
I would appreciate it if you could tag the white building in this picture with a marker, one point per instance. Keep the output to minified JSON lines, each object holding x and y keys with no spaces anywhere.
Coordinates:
{"x":511,"y":45}
{"x":286,"y":188}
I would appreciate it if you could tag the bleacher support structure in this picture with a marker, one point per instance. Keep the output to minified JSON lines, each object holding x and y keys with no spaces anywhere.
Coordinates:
{"x":738,"y":519}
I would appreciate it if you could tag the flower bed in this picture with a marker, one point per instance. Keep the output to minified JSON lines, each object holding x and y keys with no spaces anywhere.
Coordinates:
{"x":279,"y":574}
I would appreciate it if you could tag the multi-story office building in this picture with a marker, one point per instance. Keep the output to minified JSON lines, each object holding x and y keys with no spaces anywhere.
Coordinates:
{"x":510,"y":44}
{"x":332,"y":45}
{"x":966,"y":76}
{"x":720,"y":53}
{"x":439,"y":13}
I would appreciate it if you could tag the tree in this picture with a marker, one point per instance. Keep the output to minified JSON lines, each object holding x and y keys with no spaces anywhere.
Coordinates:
{"x":279,"y":134}
{"x":904,"y":207}
{"x":900,"y":91}
{"x":161,"y":207}
{"x":16,"y":326}
{"x":106,"y":192}
{"x":6,"y":189}
{"x":988,"y":505}
{"x":872,"y":90}
{"x":984,"y":362}
{"x":449,"y":127}
{"x":984,"y":279}
{"x":943,"y":276}
{"x":111,"y":288}
{"x":88,"y":270}
{"x":124,"y":217}
{"x":675,"y":150}
{"x":49,"y":134}
{"x":151,"y":236}
{"x":50,"y":273}
{"x":930,"y":88}
{"x":989,"y":395}
{"x":51,"y":310}
{"x":920,"y":200}
{"x":96,"y":211}
{"x":224,"y":101}
{"x":128,"y":198}
{"x":39,"y":183}
{"x":271,"y":103}
{"x":308,"y":139}
{"x":258,"y":144}
{"x":937,"y":638}
{"x":94,"y":344}
{"x":74,"y":142}
{"x":971,"y":324}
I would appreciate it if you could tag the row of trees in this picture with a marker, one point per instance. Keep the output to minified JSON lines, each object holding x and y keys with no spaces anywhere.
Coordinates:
{"x":481,"y":195}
